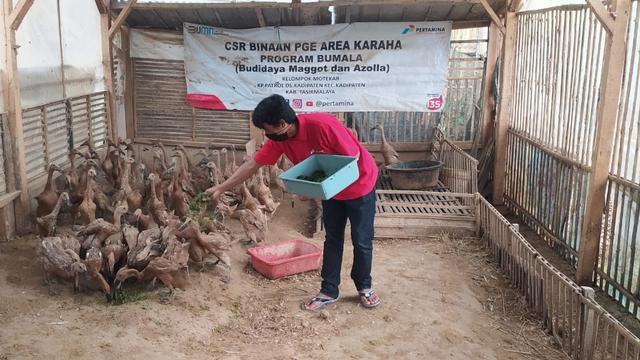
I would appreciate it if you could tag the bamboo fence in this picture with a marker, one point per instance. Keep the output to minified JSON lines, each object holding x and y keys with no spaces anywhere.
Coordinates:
{"x":582,"y":328}
{"x":53,"y":129}
{"x":618,"y":269}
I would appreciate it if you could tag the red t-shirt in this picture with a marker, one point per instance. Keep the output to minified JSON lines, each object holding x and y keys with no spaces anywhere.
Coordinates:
{"x":321,"y":133}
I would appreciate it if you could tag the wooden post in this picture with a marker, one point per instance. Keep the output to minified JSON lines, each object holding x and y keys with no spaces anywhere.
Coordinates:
{"x":108,"y":76}
{"x":255,"y":133}
{"x":488,"y":93}
{"x":12,"y":20}
{"x":505,"y":106}
{"x":613,"y":70}
{"x":128,"y":84}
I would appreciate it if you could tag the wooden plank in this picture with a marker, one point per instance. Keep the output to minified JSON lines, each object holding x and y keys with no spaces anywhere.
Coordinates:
{"x":107,"y":69}
{"x":12,"y":101}
{"x":128,"y":84}
{"x":401,"y":147}
{"x":602,"y":14}
{"x":260,"y":17}
{"x":18,"y":13}
{"x":187,"y":143}
{"x":505,"y":107}
{"x":121,"y":18}
{"x":103,"y":6}
{"x":612,"y":77}
{"x":488,"y":91}
{"x":287,"y":5}
{"x":492,"y":14}
{"x":6,"y":199}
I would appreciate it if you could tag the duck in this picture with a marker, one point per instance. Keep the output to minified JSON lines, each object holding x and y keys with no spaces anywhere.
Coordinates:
{"x":263,"y":193}
{"x":218,"y":172}
{"x":48,"y":198}
{"x":60,"y":262}
{"x":157,"y":208}
{"x":94,"y":264}
{"x":47,"y":224}
{"x":140,"y":220}
{"x":389,"y":154}
{"x":168,"y":272}
{"x":112,"y":251}
{"x":179,"y":199}
{"x":127,"y":192}
{"x":86,"y":211}
{"x":228,"y":171}
{"x":252,"y":218}
{"x":102,"y":229}
{"x":217,"y":243}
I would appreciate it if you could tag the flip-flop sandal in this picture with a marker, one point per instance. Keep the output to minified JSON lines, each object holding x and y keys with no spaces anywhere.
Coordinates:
{"x":322,"y":301}
{"x":365,"y":299}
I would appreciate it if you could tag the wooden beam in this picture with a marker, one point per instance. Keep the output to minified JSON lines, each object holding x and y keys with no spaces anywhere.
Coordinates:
{"x":602,"y":14}
{"x":18,"y":13}
{"x":107,"y":66}
{"x":6,"y":199}
{"x":505,"y":106}
{"x":260,"y":17}
{"x":488,"y":90}
{"x":13,"y":104}
{"x":492,"y":14}
{"x":467,"y":24}
{"x":612,"y":75}
{"x":121,"y":18}
{"x":103,"y":6}
{"x":127,"y":64}
{"x":272,"y":5}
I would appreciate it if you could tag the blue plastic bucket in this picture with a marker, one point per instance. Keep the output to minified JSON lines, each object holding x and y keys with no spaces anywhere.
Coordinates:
{"x":341,"y":172}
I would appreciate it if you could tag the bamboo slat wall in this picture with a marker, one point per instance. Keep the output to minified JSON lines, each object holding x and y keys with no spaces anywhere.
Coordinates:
{"x":460,"y":171}
{"x":51,"y":130}
{"x":3,"y":182}
{"x":161,"y":111}
{"x":582,"y":328}
{"x":618,"y":267}
{"x":559,"y":60}
{"x":460,"y":118}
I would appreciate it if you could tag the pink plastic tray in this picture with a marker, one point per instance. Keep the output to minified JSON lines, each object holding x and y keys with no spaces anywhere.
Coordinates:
{"x":285,"y":258}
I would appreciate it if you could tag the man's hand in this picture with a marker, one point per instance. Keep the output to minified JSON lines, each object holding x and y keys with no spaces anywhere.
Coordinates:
{"x":215,"y":192}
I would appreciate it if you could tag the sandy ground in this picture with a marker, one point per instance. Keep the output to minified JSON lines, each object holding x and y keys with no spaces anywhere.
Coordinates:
{"x":443,"y":299}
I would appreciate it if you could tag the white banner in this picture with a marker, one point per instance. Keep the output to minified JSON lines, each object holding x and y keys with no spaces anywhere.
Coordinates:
{"x":331,"y":68}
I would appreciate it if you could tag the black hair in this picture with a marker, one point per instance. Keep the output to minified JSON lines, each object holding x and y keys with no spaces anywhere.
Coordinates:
{"x":271,"y":110}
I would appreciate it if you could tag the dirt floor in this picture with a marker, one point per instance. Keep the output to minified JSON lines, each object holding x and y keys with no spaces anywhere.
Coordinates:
{"x":443,"y":299}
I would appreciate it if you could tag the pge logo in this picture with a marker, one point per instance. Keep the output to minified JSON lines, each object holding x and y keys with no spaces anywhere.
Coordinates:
{"x":296,"y":103}
{"x":435,"y":103}
{"x":309,"y":103}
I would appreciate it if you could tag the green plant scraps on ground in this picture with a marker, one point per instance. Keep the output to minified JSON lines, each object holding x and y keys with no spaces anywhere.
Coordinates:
{"x":127,"y":296}
{"x":317,"y":176}
{"x":199,"y":202}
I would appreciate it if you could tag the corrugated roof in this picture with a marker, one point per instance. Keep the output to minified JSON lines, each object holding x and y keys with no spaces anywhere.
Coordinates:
{"x":249,"y":14}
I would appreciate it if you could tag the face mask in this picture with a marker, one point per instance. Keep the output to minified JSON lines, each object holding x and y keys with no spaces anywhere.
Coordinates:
{"x":279,"y":137}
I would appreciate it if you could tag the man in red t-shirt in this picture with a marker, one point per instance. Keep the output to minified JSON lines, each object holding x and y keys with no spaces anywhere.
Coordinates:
{"x":297,"y":137}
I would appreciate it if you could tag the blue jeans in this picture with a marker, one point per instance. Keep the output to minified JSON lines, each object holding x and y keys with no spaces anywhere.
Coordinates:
{"x":360,"y":212}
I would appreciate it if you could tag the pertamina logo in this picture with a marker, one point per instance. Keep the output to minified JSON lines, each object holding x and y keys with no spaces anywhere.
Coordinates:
{"x":410,"y":28}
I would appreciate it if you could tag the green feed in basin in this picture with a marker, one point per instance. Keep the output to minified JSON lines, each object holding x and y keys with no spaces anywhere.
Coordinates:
{"x":318,"y":176}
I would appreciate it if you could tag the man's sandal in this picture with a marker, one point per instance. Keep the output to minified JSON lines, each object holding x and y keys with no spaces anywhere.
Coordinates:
{"x":317,"y":302}
{"x":369,"y":299}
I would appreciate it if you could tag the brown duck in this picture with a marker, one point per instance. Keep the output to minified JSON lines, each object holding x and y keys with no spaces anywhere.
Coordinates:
{"x":47,"y":224}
